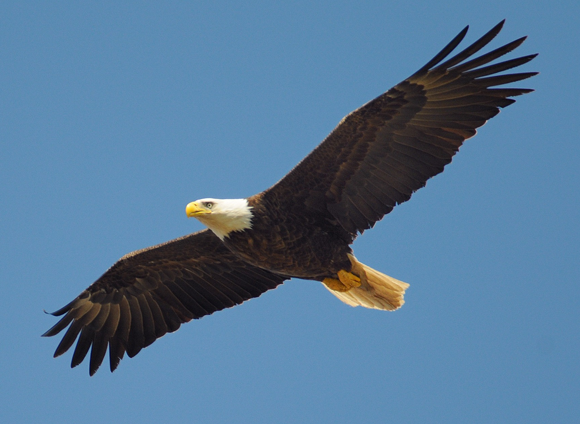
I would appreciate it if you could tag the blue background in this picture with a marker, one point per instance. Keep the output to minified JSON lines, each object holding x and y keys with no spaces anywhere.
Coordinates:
{"x":115,"y":115}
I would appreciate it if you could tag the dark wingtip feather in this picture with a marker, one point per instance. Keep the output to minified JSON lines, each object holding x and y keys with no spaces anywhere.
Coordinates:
{"x":474,"y":47}
{"x":116,"y":353}
{"x":98,"y":351}
{"x":84,"y":295}
{"x":59,"y":326}
{"x":471,"y":65}
{"x":62,"y":310}
{"x":503,"y":79}
{"x":445,"y":51}
{"x":83,"y":345}
{"x":68,"y":339}
{"x":494,"y":69}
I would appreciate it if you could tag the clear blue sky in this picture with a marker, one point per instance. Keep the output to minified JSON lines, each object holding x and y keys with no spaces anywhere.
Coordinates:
{"x":115,"y":115}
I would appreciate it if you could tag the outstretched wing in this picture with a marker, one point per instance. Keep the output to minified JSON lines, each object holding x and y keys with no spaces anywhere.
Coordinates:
{"x":153,"y":291}
{"x":381,"y":153}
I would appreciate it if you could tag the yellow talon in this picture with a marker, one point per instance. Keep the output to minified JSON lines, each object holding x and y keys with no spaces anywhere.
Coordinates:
{"x":348,"y":279}
{"x":334,"y":284}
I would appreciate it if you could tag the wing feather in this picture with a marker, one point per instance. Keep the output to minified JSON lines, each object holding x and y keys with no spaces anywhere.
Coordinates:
{"x":153,"y":291}
{"x":98,"y":350}
{"x":136,"y":339}
{"x":405,"y":136}
{"x":83,"y":345}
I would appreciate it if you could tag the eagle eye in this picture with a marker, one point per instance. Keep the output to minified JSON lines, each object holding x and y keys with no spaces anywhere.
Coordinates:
{"x":208,"y":205}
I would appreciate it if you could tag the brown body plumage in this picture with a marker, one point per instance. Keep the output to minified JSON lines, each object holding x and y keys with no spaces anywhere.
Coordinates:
{"x":376,"y":158}
{"x":290,"y":243}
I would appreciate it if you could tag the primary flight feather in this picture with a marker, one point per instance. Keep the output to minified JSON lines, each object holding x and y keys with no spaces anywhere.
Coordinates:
{"x":302,"y":227}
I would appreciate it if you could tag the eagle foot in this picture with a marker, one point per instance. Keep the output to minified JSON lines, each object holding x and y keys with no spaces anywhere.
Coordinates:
{"x":345,"y":282}
{"x":348,"y":279}
{"x":334,"y":284}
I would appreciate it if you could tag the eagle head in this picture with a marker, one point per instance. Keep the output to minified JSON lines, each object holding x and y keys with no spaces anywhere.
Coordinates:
{"x":222,"y":216}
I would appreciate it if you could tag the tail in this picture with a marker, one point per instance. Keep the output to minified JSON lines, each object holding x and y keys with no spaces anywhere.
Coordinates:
{"x":377,"y":290}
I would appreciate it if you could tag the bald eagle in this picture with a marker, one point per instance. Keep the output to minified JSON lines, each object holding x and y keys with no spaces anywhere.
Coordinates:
{"x":303,"y":226}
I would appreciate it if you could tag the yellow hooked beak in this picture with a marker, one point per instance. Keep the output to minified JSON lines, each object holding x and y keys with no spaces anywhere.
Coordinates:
{"x":194,"y":210}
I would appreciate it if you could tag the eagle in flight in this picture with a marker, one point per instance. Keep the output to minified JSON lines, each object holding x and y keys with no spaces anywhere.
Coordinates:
{"x":302,"y":226}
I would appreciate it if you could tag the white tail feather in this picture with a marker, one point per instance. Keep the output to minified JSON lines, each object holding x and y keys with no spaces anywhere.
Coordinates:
{"x":377,"y":290}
